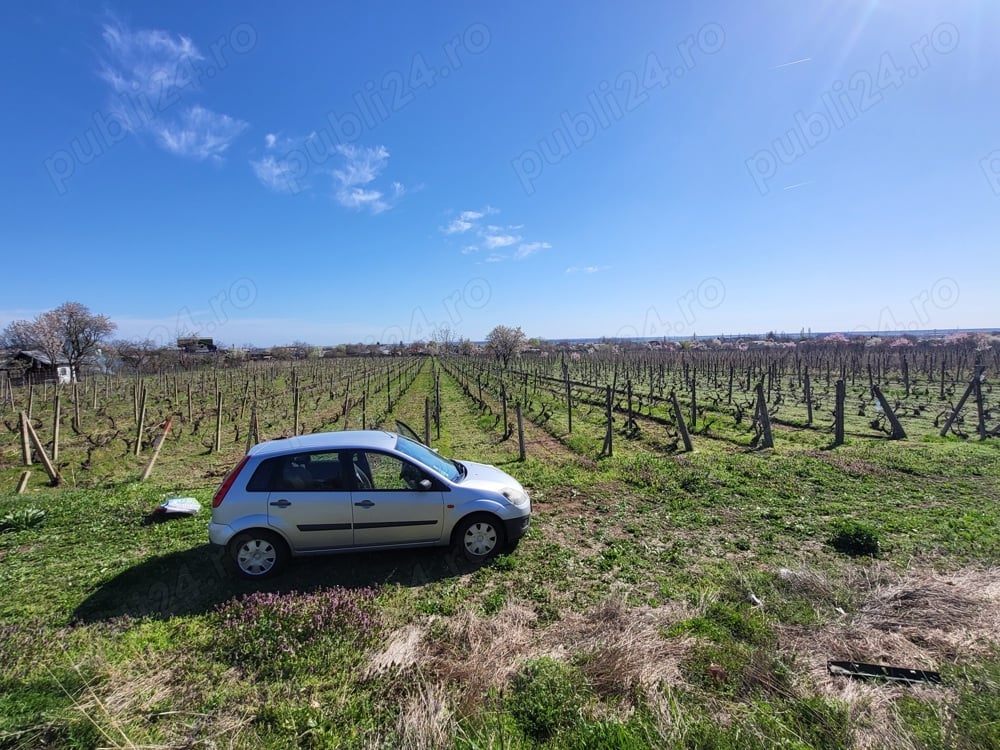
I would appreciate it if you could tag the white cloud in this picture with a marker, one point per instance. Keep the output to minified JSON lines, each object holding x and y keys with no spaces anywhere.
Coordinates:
{"x":494,"y":241}
{"x":292,"y":163}
{"x":530,"y":248}
{"x":491,"y":236}
{"x":275,"y":174}
{"x":358,"y":198}
{"x":200,"y":133}
{"x":149,"y":73}
{"x":362,"y":166}
{"x":587,"y":269}
{"x":458,"y":226}
{"x":467,"y":220}
{"x":147,"y":63}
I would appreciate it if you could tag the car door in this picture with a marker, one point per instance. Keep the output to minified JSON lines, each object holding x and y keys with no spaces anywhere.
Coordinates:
{"x":310,"y":502}
{"x":394,"y":502}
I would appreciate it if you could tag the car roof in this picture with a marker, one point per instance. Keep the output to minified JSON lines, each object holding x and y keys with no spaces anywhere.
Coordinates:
{"x":375,"y":439}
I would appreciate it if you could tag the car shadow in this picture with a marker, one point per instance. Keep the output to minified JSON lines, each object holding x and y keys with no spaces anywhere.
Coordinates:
{"x":195,"y":581}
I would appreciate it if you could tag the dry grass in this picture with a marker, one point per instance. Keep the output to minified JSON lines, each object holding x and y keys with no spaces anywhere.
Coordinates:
{"x":623,"y":650}
{"x":118,"y":700}
{"x":425,"y":720}
{"x":477,"y":653}
{"x":921,"y":620}
{"x":620,"y":649}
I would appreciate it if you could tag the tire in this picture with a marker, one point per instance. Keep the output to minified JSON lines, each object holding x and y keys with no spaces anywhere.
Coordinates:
{"x":479,"y":538}
{"x":511,"y":546}
{"x":256,"y":554}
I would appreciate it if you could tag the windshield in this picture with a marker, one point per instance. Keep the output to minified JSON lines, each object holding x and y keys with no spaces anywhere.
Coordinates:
{"x":444,"y":466}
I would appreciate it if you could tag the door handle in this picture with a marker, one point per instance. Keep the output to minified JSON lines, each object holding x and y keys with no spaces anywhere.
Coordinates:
{"x":364,"y":504}
{"x":282,"y":503}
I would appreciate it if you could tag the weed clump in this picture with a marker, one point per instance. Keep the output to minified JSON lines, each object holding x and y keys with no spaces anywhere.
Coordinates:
{"x":20,"y":520}
{"x":546,"y":697}
{"x":277,"y":634}
{"x":855,"y":538}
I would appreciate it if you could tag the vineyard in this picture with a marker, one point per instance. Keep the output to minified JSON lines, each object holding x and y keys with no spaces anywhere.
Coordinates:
{"x":661,"y":399}
{"x":664,"y":402}
{"x":106,"y":427}
{"x":710,"y":528}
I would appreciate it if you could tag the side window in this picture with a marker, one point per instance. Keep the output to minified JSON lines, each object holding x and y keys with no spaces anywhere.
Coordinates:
{"x":324,"y":469}
{"x":261,"y":481}
{"x":390,"y":473}
{"x":307,"y":472}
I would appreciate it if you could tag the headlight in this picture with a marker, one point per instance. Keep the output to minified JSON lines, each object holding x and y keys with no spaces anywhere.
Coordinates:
{"x":514,"y":496}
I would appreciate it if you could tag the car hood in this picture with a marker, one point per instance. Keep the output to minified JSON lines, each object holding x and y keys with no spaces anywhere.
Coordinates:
{"x":486,"y":477}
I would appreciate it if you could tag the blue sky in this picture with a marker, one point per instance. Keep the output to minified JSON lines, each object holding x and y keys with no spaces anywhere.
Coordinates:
{"x":340,"y":172}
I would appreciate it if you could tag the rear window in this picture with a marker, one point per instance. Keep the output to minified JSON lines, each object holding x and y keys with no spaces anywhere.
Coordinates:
{"x":261,"y":479}
{"x":300,"y":472}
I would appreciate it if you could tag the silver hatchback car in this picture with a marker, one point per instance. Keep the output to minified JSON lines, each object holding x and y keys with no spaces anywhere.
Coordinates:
{"x":360,"y":490}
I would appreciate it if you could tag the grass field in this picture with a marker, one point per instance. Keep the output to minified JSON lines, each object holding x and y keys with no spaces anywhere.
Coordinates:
{"x":660,"y":600}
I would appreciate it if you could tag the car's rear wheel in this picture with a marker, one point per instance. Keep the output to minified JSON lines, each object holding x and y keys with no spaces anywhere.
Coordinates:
{"x":479,"y":537}
{"x":257,"y":554}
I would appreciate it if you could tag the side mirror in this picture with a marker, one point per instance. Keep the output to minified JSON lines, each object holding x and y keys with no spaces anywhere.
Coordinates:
{"x":425,"y":484}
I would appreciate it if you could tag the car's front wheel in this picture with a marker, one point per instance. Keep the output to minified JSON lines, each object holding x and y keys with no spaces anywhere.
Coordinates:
{"x":479,"y":537}
{"x":257,"y":554}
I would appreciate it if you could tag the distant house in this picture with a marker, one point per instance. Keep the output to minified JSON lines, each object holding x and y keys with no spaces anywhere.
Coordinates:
{"x":196,"y":345}
{"x":36,"y":367}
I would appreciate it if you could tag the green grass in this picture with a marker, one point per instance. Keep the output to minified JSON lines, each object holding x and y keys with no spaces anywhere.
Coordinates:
{"x":657,"y":601}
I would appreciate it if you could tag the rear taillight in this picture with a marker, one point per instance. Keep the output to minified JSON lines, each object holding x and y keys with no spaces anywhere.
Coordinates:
{"x":220,"y":494}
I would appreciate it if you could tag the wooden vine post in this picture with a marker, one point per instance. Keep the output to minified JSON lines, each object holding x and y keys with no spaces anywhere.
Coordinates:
{"x":694,"y":399}
{"x":25,"y":440}
{"x":569,"y":397}
{"x":56,"y":409}
{"x":838,"y":412}
{"x":607,"y":450}
{"x":140,"y":418}
{"x":898,"y":433}
{"x":763,"y":418}
{"x":520,"y":433}
{"x":253,"y":434}
{"x":630,"y":424}
{"x":809,"y":399}
{"x":437,"y":404}
{"x":681,"y":427}
{"x":218,"y":421}
{"x":295,"y":411}
{"x":503,"y":406}
{"x":973,"y":387}
{"x":156,"y":450}
{"x":76,"y":406}
{"x":980,"y":410}
{"x":40,"y":449}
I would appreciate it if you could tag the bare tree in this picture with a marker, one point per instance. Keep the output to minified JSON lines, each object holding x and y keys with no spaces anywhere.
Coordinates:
{"x":445,"y":337}
{"x":135,"y":353}
{"x":70,"y":332}
{"x":505,"y":343}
